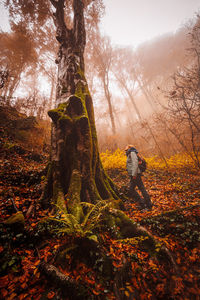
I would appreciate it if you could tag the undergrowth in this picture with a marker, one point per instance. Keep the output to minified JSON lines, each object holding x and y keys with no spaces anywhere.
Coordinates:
{"x":117,"y":160}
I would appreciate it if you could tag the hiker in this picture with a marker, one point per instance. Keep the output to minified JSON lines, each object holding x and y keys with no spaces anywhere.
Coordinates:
{"x":136,"y":179}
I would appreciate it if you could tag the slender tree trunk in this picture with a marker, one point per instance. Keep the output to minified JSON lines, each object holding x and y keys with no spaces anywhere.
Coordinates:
{"x":158,"y":146}
{"x":75,"y":173}
{"x":145,"y":92}
{"x":141,"y":121}
{"x":108,"y":97}
{"x":51,"y":93}
{"x":194,"y":157}
{"x":124,"y":86}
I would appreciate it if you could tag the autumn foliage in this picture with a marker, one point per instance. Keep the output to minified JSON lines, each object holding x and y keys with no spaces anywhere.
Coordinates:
{"x":174,"y":221}
{"x":117,"y":160}
{"x":69,"y":251}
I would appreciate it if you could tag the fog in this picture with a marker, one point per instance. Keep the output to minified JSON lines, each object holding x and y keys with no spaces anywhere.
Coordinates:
{"x":130,"y":86}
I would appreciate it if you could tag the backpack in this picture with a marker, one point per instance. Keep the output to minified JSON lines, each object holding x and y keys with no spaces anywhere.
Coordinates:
{"x":142,"y":163}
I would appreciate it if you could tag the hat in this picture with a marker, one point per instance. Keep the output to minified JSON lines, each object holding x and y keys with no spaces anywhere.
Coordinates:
{"x":128,"y":147}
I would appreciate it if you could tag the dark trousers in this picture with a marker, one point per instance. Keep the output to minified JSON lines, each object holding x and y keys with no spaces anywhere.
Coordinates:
{"x":145,"y":201}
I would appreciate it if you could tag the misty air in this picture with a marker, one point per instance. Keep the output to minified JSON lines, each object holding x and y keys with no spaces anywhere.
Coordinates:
{"x":100,"y":149}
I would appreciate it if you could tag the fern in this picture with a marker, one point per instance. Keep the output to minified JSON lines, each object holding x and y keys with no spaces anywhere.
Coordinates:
{"x":69,"y":222}
{"x":84,"y":228}
{"x":95,"y":215}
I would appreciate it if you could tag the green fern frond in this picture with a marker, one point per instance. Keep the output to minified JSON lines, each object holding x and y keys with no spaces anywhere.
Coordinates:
{"x":87,"y":204}
{"x":94,"y":216}
{"x":68,"y":221}
{"x":93,"y":212}
{"x":67,"y":218}
{"x":72,"y":225}
{"x":134,"y":240}
{"x":62,"y":209}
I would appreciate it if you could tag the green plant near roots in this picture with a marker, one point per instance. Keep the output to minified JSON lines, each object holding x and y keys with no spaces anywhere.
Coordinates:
{"x":86,"y":226}
{"x":8,"y":146}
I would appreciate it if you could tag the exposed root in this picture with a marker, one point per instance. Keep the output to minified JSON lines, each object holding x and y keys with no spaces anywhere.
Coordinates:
{"x":70,"y":288}
{"x":129,"y":229}
{"x":166,"y":254}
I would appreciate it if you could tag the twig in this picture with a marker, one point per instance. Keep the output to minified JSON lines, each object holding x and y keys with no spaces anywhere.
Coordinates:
{"x":12,"y":200}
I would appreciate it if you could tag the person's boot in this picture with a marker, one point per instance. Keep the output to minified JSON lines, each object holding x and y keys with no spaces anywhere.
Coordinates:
{"x":141,"y":204}
{"x":149,"y":204}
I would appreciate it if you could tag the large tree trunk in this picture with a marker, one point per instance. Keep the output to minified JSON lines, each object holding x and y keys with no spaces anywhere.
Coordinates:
{"x":75,"y":173}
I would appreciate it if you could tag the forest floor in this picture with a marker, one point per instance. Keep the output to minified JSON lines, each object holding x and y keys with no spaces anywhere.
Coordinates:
{"x":174,"y":220}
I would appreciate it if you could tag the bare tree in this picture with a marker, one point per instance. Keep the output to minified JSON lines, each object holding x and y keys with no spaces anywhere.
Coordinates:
{"x":184,"y":96}
{"x":126,"y":79}
{"x":17,"y":55}
{"x":102,"y":55}
{"x":3,"y":77}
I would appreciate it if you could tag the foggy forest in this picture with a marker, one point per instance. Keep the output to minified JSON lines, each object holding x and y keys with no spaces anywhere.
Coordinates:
{"x":80,"y":219}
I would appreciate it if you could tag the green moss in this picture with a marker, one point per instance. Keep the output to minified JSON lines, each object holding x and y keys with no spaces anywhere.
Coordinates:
{"x":60,"y":199}
{"x":17,"y":218}
{"x":93,"y":237}
{"x":64,"y":121}
{"x":62,"y":106}
{"x":79,"y":90}
{"x":118,"y":221}
{"x":94,"y":194}
{"x":83,"y":119}
{"x":65,"y":117}
{"x":77,"y":211}
{"x":43,"y":178}
{"x":58,"y":112}
{"x":73,"y":195}
{"x":74,"y":112}
{"x":49,"y":171}
{"x":75,"y":187}
{"x":48,"y":181}
{"x":8,"y":145}
{"x":81,"y":86}
{"x":58,"y":195}
{"x":81,"y":73}
{"x":127,"y":226}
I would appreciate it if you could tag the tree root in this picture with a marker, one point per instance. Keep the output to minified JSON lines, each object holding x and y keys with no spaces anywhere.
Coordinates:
{"x":69,"y":287}
{"x":129,"y":229}
{"x":120,"y":278}
{"x":164,"y":253}
{"x":92,"y":254}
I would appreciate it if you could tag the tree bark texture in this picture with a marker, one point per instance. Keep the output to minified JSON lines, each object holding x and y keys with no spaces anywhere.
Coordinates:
{"x":75,"y":172}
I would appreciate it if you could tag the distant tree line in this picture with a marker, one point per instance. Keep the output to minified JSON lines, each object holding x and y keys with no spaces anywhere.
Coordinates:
{"x":148,"y":96}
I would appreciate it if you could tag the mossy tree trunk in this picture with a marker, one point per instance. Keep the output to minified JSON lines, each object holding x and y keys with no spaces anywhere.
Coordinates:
{"x":75,"y":172}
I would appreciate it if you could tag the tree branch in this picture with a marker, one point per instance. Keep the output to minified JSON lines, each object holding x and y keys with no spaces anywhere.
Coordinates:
{"x":79,"y":24}
{"x":62,"y":31}
{"x":54,"y":3}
